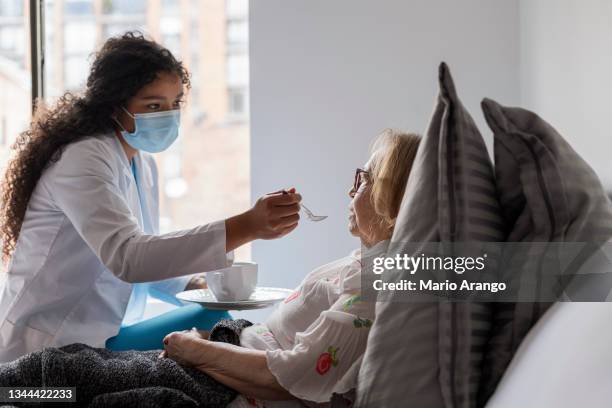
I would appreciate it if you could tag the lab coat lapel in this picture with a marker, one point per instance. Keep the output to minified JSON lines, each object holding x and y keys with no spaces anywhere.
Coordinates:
{"x":148,"y":192}
{"x":128,"y":184}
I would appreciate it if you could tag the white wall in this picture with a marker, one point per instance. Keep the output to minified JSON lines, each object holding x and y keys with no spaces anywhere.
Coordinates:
{"x":566,"y":72}
{"x":328,"y":76}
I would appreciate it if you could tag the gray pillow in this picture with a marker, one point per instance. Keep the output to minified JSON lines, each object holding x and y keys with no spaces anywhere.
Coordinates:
{"x":548,"y":193}
{"x":527,"y":149}
{"x":429,"y":354}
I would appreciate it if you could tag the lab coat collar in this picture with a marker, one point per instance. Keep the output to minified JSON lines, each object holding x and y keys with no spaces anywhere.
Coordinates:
{"x":138,"y":198}
{"x":124,"y":159}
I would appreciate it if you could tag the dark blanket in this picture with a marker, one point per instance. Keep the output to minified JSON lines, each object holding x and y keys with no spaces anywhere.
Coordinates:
{"x":105,"y":378}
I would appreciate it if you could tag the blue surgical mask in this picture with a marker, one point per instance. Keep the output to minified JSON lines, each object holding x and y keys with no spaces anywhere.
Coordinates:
{"x":153,"y":132}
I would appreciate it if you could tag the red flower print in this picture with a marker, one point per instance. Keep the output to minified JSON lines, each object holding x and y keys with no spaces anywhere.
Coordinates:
{"x":252,"y":401}
{"x":327,"y":360}
{"x":291,"y":297}
{"x":324,"y":363}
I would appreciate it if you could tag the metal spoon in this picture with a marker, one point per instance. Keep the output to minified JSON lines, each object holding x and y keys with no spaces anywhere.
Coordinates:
{"x":309,"y":214}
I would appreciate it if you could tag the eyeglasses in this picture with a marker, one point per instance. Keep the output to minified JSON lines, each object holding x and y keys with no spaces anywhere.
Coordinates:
{"x":358,"y":180}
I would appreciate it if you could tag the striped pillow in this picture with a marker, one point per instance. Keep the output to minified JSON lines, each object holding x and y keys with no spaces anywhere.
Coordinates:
{"x":429,"y":354}
{"x":548,"y":193}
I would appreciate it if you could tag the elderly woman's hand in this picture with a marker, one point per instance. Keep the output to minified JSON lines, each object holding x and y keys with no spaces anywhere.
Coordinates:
{"x":185,"y":347}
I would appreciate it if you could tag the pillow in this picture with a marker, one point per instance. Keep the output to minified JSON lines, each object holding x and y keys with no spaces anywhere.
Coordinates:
{"x":548,"y":194}
{"x":528,"y":149}
{"x":428,"y":354}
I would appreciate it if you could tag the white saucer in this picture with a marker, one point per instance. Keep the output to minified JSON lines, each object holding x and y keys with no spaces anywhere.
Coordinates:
{"x":261,"y":298}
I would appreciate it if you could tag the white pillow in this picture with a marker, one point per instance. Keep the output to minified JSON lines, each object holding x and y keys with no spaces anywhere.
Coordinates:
{"x":565,"y":361}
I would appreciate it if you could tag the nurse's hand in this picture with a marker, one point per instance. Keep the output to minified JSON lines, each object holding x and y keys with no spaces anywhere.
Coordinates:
{"x":276,"y":214}
{"x":273,"y":216}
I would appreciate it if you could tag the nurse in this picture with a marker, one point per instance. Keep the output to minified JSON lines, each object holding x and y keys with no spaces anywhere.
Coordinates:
{"x":79,"y":210}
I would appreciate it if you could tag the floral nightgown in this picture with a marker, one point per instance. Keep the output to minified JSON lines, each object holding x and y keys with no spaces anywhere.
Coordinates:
{"x":315,"y":339}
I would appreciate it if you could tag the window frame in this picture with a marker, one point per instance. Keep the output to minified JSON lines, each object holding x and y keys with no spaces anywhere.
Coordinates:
{"x":37,"y":51}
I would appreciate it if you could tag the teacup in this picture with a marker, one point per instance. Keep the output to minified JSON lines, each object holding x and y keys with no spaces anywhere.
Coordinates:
{"x":236,"y":282}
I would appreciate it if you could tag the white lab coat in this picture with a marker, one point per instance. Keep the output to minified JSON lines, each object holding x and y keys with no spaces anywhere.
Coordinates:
{"x":83,"y":244}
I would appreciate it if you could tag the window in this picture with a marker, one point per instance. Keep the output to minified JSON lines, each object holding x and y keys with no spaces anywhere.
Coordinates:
{"x":74,"y":72}
{"x":171,"y":7}
{"x":238,"y":103}
{"x":237,"y":9}
{"x":15,"y":78}
{"x":12,"y":8}
{"x":122,"y":7}
{"x":237,"y":70}
{"x":171,"y":33}
{"x":237,"y":37}
{"x":78,"y":7}
{"x":237,"y":33}
{"x":79,"y":38}
{"x":12,"y":40}
{"x":113,"y":29}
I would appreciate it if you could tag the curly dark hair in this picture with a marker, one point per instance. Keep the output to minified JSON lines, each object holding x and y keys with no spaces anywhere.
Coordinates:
{"x":123,"y":66}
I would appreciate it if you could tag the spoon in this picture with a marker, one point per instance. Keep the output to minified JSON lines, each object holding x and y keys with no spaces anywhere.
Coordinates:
{"x":309,"y":214}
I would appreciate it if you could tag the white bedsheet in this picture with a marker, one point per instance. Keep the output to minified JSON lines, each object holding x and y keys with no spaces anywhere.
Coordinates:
{"x":565,"y":361}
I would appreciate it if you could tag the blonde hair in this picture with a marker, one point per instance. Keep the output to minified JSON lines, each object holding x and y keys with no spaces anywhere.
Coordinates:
{"x":393,"y":154}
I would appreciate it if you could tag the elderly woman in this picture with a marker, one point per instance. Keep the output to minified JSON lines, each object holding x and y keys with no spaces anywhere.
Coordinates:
{"x":311,"y":346}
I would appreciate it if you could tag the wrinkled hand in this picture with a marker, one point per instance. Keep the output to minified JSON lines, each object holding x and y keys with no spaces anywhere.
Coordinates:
{"x":185,"y":347}
{"x":276,"y":214}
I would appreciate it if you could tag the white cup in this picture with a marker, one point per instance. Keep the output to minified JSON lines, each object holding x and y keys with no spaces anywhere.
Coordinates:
{"x":236,"y":282}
